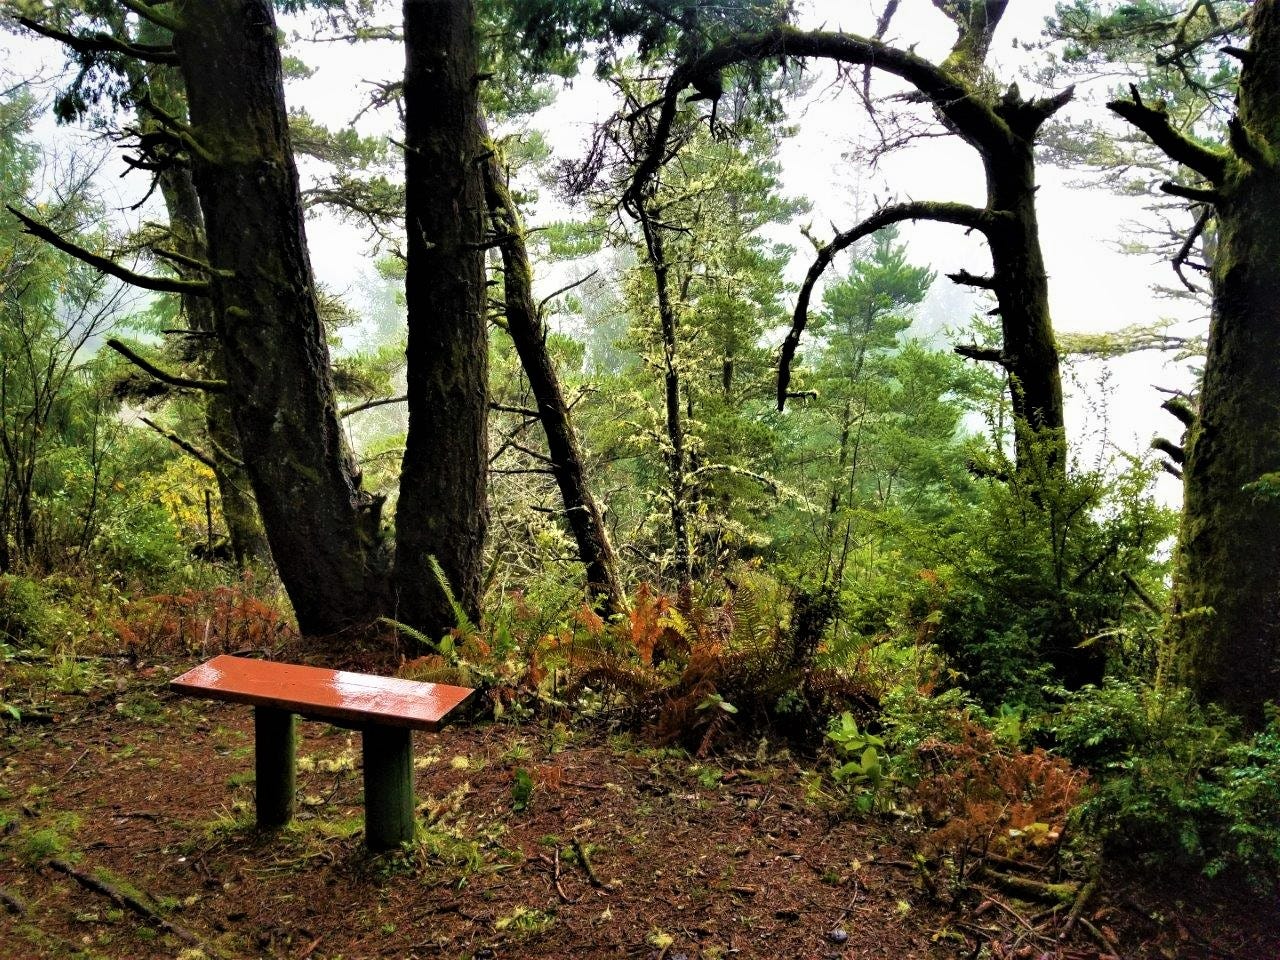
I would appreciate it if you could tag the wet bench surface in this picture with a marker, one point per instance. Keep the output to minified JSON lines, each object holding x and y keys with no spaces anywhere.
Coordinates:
{"x":385,"y":709}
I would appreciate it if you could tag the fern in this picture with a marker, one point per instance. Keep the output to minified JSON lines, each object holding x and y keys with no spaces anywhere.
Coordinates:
{"x":465,"y":626}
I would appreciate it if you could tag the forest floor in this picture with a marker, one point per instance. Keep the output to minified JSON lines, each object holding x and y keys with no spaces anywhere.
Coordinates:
{"x":126,"y":831}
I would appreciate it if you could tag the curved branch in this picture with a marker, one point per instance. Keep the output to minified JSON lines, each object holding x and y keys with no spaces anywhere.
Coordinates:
{"x":1248,"y":146}
{"x":108,"y":266}
{"x":950,"y":96}
{"x":960,"y":214}
{"x":87,"y":43}
{"x":1210,"y":164}
{"x":190,"y":383}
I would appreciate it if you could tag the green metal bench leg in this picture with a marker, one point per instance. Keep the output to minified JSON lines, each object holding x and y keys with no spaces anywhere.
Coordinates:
{"x":388,"y":786}
{"x":274,"y":765}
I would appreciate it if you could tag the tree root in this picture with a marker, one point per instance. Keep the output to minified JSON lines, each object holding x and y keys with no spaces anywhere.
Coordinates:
{"x":125,"y":899}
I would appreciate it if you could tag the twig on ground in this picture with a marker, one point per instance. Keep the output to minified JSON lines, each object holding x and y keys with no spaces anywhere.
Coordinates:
{"x":126,"y":899}
{"x":1077,"y":908}
{"x":587,"y":868}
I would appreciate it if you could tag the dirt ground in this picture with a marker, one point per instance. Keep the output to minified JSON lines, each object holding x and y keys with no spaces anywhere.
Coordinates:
{"x":127,"y":832}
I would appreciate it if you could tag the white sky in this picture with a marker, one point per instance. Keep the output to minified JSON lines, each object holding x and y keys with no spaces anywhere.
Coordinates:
{"x":1092,"y":287}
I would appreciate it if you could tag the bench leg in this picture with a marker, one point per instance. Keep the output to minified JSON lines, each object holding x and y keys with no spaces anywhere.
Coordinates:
{"x":274,"y":765}
{"x":388,"y":786}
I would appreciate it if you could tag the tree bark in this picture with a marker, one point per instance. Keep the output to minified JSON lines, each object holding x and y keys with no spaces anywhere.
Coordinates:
{"x":529,"y":335}
{"x":676,"y":456}
{"x":443,"y":510}
{"x":239,"y":511}
{"x":323,"y":530}
{"x":1227,"y":592}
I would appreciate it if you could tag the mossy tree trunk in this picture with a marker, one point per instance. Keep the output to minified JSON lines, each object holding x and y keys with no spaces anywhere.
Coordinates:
{"x":1227,"y":593}
{"x":676,"y":456}
{"x":323,"y":530}
{"x":442,"y":510}
{"x":239,"y":510}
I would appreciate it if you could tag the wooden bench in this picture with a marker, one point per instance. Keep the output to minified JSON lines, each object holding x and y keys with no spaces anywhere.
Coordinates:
{"x":385,"y":710}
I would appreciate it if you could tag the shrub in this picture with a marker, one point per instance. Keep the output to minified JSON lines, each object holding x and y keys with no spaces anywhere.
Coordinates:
{"x":27,"y":616}
{"x":1177,"y":788}
{"x":224,"y":618}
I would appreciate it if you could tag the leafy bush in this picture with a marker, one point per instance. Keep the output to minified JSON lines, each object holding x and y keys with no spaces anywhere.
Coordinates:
{"x":27,"y":614}
{"x":1176,"y":787}
{"x":1039,"y":580}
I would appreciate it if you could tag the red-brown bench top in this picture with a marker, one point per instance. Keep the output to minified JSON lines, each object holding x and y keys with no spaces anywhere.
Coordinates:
{"x":355,"y":698}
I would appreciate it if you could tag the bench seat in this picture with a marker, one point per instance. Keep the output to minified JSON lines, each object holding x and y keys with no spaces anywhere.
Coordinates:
{"x":386,"y":711}
{"x":350,"y":699}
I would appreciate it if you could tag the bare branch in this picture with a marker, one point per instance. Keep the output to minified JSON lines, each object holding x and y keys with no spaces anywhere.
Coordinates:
{"x":107,"y":266}
{"x":98,"y":42}
{"x":565,"y":289}
{"x":1195,"y":194}
{"x":975,"y":352}
{"x":370,"y":404}
{"x":184,"y":445}
{"x":190,"y":383}
{"x":972,"y":280}
{"x":1210,"y":164}
{"x":958,"y":213}
{"x":1183,"y":257}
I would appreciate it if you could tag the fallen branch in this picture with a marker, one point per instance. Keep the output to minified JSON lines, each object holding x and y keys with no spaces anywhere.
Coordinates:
{"x":13,"y":903}
{"x":1025,"y":888}
{"x":581,"y":851}
{"x":1077,"y":909}
{"x":123,"y":898}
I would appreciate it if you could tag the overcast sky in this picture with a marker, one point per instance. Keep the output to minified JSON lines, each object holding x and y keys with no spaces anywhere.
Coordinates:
{"x":1092,"y":286}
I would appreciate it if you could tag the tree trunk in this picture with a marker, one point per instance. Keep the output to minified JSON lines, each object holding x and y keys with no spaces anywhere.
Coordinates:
{"x":1029,"y":352}
{"x":675,"y":456}
{"x":443,"y":511}
{"x":529,"y":335}
{"x":239,"y":511}
{"x":1228,"y":596}
{"x":323,"y":530}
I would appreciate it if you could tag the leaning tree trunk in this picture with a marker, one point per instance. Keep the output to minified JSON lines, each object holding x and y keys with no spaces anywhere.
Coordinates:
{"x":323,"y":531}
{"x":442,"y":511}
{"x":529,"y":335}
